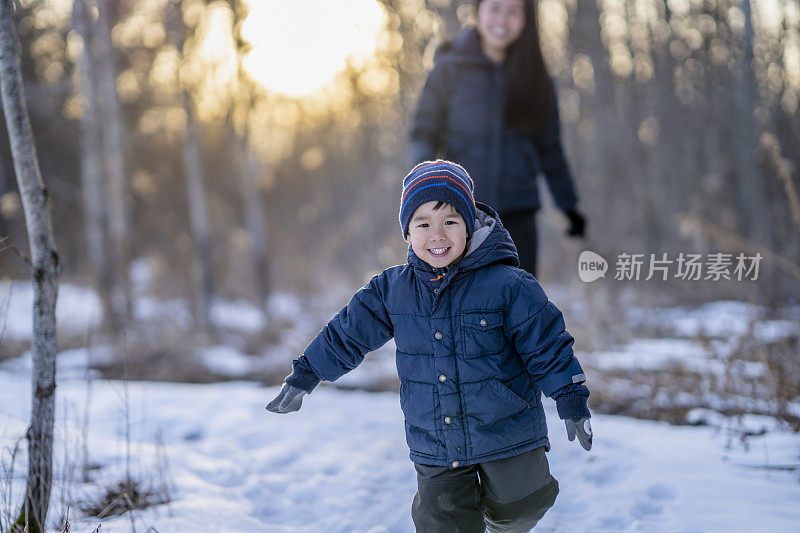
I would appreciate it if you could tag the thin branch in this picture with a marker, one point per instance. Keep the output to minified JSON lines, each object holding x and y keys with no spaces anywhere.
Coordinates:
{"x":783,"y":169}
{"x":7,"y":244}
{"x":732,"y":240}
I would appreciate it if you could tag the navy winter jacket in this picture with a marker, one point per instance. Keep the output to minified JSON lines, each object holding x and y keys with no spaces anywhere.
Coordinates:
{"x":460,"y":118}
{"x":475,"y":350}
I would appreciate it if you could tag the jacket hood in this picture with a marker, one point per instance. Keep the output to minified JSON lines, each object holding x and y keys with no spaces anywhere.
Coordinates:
{"x":489,"y":243}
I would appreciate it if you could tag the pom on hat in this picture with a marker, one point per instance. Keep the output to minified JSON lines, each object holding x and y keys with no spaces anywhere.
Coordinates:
{"x":442,"y":181}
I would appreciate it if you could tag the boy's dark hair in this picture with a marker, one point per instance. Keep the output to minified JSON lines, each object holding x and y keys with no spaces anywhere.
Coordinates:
{"x":528,"y":85}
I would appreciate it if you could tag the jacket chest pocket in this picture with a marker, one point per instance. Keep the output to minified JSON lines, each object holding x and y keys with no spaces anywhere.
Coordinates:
{"x":482,"y":333}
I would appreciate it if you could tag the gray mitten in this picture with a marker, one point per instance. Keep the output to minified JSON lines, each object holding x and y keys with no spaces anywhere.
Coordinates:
{"x":288,"y":400}
{"x":583,"y":428}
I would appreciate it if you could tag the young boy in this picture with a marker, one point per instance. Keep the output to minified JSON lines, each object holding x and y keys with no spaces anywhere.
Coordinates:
{"x":477,"y":343}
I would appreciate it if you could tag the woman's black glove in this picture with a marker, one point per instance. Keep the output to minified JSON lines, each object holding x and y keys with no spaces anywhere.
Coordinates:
{"x":577,"y":222}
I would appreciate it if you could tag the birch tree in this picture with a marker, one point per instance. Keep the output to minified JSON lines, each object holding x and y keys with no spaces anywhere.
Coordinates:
{"x":198,"y":218}
{"x":591,"y":77}
{"x":255,"y":219}
{"x":750,"y":201}
{"x":91,"y":165}
{"x":44,"y":264}
{"x":249,"y":164}
{"x":119,"y":221}
{"x":668,"y":166}
{"x":202,"y":268}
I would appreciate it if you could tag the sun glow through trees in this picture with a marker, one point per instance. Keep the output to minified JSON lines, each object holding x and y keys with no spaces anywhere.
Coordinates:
{"x":300,"y":45}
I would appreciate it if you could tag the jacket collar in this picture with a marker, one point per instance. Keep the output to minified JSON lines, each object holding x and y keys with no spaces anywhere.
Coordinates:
{"x":465,"y":48}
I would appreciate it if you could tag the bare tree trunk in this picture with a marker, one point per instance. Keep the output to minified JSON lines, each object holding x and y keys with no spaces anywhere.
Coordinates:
{"x":670,"y":160}
{"x":255,"y":221}
{"x":44,"y":265}
{"x":597,"y":111}
{"x":202,"y":261}
{"x":751,"y":205}
{"x":113,"y":148}
{"x":198,"y":218}
{"x":92,"y":168}
{"x":249,"y":168}
{"x":409,"y":63}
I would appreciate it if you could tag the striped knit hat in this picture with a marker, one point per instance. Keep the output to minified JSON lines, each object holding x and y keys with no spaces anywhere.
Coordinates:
{"x":441,"y":181}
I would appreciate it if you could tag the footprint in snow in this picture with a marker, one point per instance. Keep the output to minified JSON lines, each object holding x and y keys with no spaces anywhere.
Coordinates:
{"x":660,"y":491}
{"x":612,"y":523}
{"x":657,"y":495}
{"x":646,"y":508}
{"x":602,"y":474}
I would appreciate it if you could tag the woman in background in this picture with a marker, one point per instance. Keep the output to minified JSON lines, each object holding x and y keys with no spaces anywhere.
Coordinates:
{"x":489,"y":105}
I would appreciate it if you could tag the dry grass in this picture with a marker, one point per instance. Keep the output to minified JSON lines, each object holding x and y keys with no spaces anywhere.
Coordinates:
{"x":756,"y":378}
{"x":8,"y":508}
{"x":122,"y":498}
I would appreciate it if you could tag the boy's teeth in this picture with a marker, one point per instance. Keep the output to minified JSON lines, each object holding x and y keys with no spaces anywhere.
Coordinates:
{"x":438,"y":250}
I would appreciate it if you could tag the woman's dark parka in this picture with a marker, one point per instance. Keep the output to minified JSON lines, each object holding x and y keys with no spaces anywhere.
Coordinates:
{"x":460,"y":118}
{"x":475,"y":350}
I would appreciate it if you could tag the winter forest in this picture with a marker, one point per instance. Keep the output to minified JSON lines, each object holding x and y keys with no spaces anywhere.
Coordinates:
{"x":214,"y":179}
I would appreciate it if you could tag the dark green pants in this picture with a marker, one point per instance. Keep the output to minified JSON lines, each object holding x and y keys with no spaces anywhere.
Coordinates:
{"x":508,"y":495}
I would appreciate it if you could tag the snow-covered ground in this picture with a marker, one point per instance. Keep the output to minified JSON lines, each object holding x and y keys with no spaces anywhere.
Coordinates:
{"x":341,"y":464}
{"x":78,"y":310}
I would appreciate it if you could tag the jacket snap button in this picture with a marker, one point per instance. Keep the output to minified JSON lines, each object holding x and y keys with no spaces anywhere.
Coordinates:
{"x":484,"y":323}
{"x":438,"y":335}
{"x":442,"y":378}
{"x":447,"y":420}
{"x":454,"y":464}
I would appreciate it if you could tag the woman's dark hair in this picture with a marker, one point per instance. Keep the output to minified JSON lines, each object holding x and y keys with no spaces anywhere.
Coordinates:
{"x":528,"y":85}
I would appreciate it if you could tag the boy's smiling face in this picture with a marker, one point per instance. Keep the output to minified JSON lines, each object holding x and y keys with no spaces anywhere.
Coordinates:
{"x":437,"y":236}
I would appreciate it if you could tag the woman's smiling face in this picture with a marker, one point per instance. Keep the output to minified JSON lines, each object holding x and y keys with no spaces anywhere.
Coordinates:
{"x":500,"y":23}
